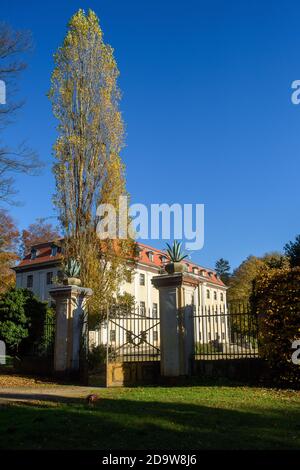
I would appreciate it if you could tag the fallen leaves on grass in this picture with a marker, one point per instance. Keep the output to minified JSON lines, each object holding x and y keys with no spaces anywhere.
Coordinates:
{"x":16,"y":380}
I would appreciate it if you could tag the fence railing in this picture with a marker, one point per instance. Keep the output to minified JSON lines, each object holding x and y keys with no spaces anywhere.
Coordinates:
{"x":44,"y":345}
{"x":132,"y":336}
{"x":225,"y":332}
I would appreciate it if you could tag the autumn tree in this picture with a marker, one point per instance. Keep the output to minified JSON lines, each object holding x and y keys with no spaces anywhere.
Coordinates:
{"x":13,"y":44}
{"x":243,"y":277}
{"x":88,"y":169}
{"x":275,"y":300}
{"x":38,"y":232}
{"x":9,"y":238}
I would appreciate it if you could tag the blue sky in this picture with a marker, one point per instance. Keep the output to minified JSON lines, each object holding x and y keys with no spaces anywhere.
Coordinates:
{"x":207,"y":105}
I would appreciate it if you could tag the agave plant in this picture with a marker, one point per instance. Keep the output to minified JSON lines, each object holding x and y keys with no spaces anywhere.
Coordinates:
{"x":175,"y":253}
{"x":72,"y":268}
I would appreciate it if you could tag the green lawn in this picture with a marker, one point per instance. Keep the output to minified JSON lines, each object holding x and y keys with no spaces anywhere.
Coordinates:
{"x":198,"y":417}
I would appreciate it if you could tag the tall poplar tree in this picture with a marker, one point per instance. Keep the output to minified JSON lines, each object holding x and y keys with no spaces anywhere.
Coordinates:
{"x":88,"y":169}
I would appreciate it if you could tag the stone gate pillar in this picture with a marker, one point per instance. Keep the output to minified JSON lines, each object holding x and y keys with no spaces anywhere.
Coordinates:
{"x":176,"y":306}
{"x":70,"y":308}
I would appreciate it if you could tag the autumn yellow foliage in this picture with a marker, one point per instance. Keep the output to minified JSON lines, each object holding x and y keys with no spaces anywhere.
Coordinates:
{"x":276,"y":300}
{"x":88,"y":168}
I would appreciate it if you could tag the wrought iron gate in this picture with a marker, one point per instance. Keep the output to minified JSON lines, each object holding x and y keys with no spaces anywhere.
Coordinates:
{"x":132,"y":335}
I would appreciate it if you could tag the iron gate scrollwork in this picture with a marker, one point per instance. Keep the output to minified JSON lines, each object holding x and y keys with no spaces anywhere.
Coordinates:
{"x":132,"y":336}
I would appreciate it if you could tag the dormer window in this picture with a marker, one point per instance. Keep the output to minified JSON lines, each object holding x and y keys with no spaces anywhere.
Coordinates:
{"x":164,"y":259}
{"x":195,"y":270}
{"x":54,"y":250}
{"x":203,"y":273}
{"x":210,"y":274}
{"x":139,"y":251}
{"x":151,"y":255}
{"x":33,"y":253}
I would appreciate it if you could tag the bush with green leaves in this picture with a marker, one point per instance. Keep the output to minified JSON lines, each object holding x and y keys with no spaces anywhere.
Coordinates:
{"x":276,"y":301}
{"x":22,"y":320}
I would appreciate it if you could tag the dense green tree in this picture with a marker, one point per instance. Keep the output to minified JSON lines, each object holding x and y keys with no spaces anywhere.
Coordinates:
{"x":222,"y":268}
{"x":22,"y":319}
{"x":292,"y":251}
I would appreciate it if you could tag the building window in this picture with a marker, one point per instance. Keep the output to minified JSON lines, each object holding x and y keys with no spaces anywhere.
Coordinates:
{"x":154,"y":310}
{"x":207,"y":294}
{"x":151,"y":256}
{"x":215,"y":295}
{"x":223,"y":335}
{"x":30,"y":281}
{"x":33,"y":253}
{"x":195,"y":270}
{"x":142,"y":308}
{"x":53,"y":250}
{"x":112,"y":335}
{"x":155,"y":335}
{"x":49,"y":278}
{"x":164,"y":259}
{"x":142,"y":279}
{"x":209,"y":336}
{"x":222,"y":297}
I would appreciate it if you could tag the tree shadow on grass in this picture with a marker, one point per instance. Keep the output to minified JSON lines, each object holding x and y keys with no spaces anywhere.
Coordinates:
{"x":134,"y":424}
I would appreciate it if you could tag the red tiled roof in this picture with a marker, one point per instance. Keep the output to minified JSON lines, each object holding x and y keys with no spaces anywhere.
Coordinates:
{"x":157,"y":254}
{"x":43,"y":255}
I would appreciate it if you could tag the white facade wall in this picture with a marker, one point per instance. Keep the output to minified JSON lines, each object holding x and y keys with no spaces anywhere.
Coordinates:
{"x":39,"y":286}
{"x":208,"y":298}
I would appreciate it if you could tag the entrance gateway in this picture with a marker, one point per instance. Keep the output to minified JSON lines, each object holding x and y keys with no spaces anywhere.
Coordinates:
{"x":143,"y":348}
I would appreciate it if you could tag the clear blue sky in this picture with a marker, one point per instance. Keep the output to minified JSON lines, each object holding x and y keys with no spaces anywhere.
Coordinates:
{"x":206,"y":102}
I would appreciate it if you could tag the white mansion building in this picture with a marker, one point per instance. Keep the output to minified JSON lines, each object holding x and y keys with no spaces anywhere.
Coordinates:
{"x":40,"y":267}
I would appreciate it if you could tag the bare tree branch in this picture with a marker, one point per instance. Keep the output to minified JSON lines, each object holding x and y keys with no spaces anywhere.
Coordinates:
{"x":21,"y":159}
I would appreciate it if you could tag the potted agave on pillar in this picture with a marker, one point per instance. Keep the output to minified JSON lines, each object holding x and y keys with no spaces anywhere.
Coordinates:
{"x":176,"y":256}
{"x":71,"y":273}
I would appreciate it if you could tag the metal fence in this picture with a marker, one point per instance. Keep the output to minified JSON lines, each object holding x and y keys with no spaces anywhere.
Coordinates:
{"x":44,"y":345}
{"x":132,"y":335}
{"x":225,"y":332}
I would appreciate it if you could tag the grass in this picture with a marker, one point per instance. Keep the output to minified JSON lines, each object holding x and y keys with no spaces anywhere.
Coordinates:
{"x":199,"y":417}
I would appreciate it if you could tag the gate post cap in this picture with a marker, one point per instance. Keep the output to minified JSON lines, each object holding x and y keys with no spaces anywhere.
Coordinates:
{"x":67,"y":291}
{"x":175,"y":280}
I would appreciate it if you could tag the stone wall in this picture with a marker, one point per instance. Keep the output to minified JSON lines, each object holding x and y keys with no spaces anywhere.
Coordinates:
{"x":252,"y":370}
{"x":120,"y":374}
